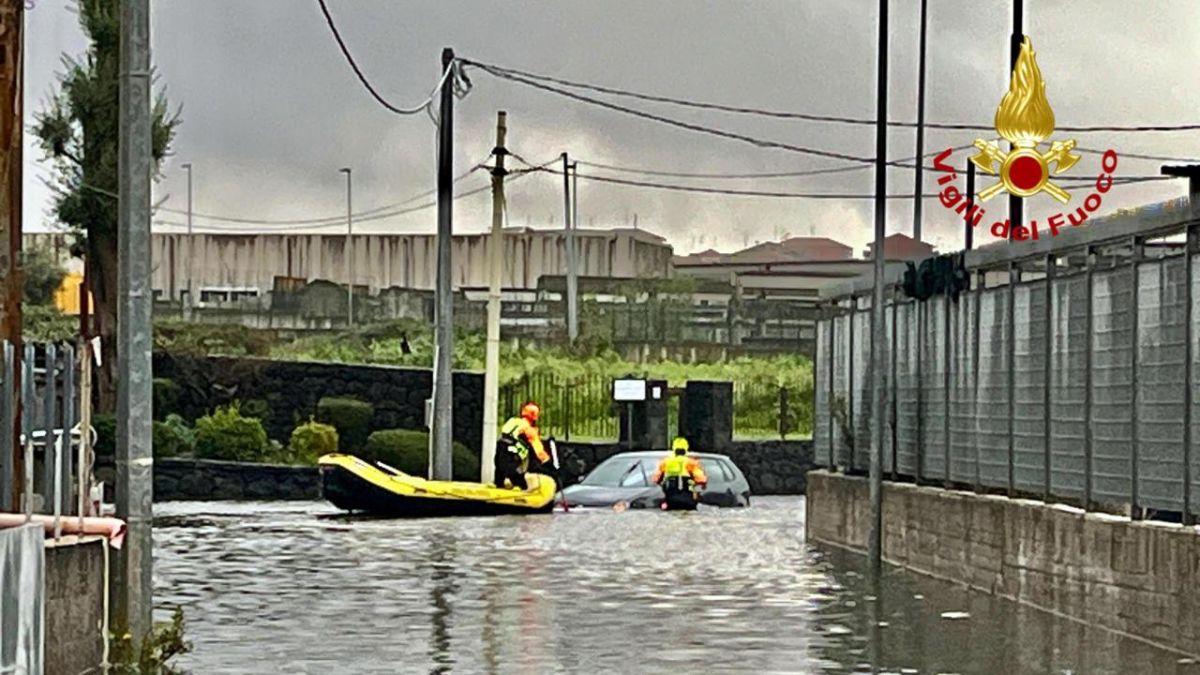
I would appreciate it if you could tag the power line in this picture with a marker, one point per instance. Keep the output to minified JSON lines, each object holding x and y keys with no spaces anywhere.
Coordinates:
{"x":284,"y":227}
{"x":811,"y":172}
{"x":328,"y":220}
{"x":522,"y":75}
{"x":762,"y":143}
{"x":337,"y":36}
{"x":901,"y":163}
{"x":779,"y":194}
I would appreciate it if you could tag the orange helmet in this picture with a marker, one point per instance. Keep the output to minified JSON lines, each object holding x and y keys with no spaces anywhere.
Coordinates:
{"x":530,"y":412}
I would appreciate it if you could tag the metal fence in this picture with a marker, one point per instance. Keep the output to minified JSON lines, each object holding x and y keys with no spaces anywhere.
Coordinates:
{"x":576,"y":408}
{"x":42,"y":449}
{"x":582,"y":409}
{"x":1066,"y":370}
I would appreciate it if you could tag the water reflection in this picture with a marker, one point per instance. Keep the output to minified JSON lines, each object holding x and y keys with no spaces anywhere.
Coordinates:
{"x":274,"y":588}
{"x":442,"y":577}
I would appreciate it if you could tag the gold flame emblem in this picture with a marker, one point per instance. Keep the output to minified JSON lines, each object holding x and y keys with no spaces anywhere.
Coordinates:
{"x":1025,"y":120}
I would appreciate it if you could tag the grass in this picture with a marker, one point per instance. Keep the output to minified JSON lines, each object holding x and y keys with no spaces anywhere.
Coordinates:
{"x":757,"y":380}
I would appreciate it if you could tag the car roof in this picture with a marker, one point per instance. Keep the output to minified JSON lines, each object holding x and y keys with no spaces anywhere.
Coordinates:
{"x":640,"y":454}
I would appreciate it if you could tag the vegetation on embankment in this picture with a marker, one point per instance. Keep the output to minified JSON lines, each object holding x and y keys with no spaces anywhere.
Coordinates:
{"x":410,"y":343}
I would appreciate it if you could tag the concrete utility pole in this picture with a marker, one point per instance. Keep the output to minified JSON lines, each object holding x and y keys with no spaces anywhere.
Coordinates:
{"x":349,"y":249}
{"x":572,"y":277}
{"x":12,"y":110}
{"x":491,"y":373}
{"x":878,"y":332}
{"x":1016,"y":205}
{"x":443,"y":393}
{"x":191,"y":260}
{"x":135,"y":463}
{"x":918,"y":187}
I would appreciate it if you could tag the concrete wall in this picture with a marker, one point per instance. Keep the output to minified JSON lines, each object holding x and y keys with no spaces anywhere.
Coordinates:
{"x":210,"y":480}
{"x":404,"y":260}
{"x":1138,"y":578}
{"x":74,"y":604}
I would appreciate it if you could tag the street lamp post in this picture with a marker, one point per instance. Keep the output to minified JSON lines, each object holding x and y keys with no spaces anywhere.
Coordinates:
{"x":191,"y":246}
{"x":349,"y":250}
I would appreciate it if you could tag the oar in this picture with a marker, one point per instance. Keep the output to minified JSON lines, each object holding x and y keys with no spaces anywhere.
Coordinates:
{"x":558,"y":475}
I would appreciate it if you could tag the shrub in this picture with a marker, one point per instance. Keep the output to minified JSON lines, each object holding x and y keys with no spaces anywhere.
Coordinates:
{"x":226,"y":434}
{"x":311,"y":440}
{"x":351,"y":418}
{"x":408,"y":451}
{"x":173,"y":437}
{"x":166,"y":396}
{"x":105,"y":425}
{"x":256,"y":408}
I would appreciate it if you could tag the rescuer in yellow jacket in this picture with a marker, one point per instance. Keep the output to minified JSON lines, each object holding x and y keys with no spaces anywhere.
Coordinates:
{"x":680,"y":475}
{"x":519,"y":437}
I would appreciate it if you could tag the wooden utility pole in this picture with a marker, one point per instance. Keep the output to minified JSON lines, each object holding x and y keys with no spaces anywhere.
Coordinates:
{"x":491,"y":373}
{"x":12,"y":110}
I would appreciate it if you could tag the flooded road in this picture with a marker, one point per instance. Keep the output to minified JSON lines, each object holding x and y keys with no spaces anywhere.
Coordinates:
{"x":282,"y":588}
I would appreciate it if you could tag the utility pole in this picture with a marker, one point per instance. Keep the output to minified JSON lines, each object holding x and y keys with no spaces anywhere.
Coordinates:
{"x":879,"y":335}
{"x":1016,"y":210}
{"x":491,"y":373}
{"x":349,"y":251}
{"x":134,"y":461}
{"x":572,"y":278}
{"x":191,"y":269}
{"x":918,"y":188}
{"x":12,"y":110}
{"x":443,"y":391}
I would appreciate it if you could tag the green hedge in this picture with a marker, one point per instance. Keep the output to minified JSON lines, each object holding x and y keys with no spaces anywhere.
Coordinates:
{"x":351,"y":418}
{"x":408,"y":451}
{"x":173,"y":437}
{"x":166,"y":397}
{"x":311,"y":440}
{"x":105,"y":425}
{"x":226,"y":434}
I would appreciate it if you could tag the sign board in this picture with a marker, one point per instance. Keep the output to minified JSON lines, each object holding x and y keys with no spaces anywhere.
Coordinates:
{"x":629,"y":390}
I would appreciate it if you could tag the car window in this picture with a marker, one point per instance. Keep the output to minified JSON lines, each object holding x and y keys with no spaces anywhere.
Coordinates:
{"x":727,"y":471}
{"x":616,"y":471}
{"x":639,"y":477}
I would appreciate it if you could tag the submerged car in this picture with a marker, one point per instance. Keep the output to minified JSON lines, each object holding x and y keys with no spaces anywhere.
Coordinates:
{"x":625,"y":479}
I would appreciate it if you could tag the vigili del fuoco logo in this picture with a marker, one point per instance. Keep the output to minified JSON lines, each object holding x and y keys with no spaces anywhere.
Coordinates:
{"x":1026,"y":121}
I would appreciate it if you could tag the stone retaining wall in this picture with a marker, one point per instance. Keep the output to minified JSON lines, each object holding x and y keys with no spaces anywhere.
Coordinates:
{"x":212,"y":480}
{"x":291,"y":390}
{"x":1139,"y":578}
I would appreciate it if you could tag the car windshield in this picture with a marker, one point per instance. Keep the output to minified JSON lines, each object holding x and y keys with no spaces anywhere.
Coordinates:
{"x":621,"y":471}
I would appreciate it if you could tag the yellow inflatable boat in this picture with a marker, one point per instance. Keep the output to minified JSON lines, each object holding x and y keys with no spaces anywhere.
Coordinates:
{"x":355,"y":485}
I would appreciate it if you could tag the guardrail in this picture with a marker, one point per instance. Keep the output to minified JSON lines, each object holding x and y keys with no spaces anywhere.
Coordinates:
{"x":1066,"y":370}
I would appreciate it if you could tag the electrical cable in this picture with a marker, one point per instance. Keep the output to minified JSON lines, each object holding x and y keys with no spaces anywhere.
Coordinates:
{"x":331,"y":220}
{"x":286,"y":227}
{"x":337,"y":36}
{"x":759,"y":142}
{"x":776,"y":194}
{"x":516,"y":75}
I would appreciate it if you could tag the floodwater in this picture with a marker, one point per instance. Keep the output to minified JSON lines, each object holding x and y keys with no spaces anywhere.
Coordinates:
{"x":285,"y":588}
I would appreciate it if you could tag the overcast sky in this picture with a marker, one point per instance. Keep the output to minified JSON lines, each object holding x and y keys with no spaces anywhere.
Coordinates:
{"x":271,"y":110}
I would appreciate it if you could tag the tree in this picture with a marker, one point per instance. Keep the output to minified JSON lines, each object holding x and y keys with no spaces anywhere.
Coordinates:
{"x":43,"y":276}
{"x":78,"y":131}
